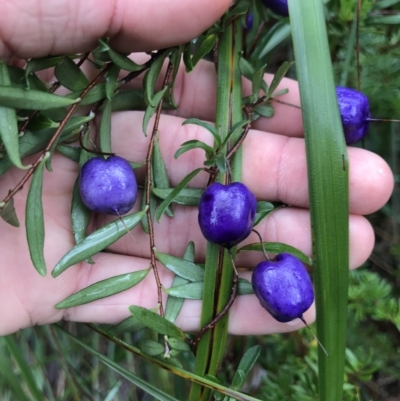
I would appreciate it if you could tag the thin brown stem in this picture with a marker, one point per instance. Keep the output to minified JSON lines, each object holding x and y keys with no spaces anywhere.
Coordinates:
{"x":285,"y":103}
{"x":256,"y":39}
{"x":149,"y":184}
{"x":62,"y":125}
{"x":242,"y":137}
{"x":262,"y":243}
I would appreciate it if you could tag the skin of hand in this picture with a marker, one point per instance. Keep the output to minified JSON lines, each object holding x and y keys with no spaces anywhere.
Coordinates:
{"x":274,"y":160}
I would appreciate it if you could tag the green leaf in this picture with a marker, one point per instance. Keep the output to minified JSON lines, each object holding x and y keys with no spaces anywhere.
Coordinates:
{"x":178,"y":344}
{"x":34,"y":220}
{"x":111,"y":81}
{"x":155,"y":322}
{"x":195,"y":144}
{"x":97,"y":241}
{"x":150,"y":347}
{"x":277,"y":35}
{"x":70,"y":75}
{"x":234,"y":132}
{"x":128,"y":325}
{"x":282,"y":70}
{"x":154,"y":391}
{"x":150,"y":110}
{"x":31,"y":99}
{"x":176,"y":191}
{"x":150,"y":79}
{"x":8,"y":213}
{"x":210,"y":128}
{"x":71,"y":152}
{"x":246,"y":364}
{"x":40,"y":121}
{"x":175,"y":59}
{"x":205,"y":47}
{"x":277,"y":247}
{"x":96,"y":94}
{"x":8,"y":124}
{"x":104,"y":288}
{"x":256,"y":80}
{"x":31,"y":143}
{"x":263,"y":210}
{"x":174,"y":305}
{"x":123,"y":61}
{"x":188,"y":196}
{"x":181,"y":267}
{"x":195,"y":290}
{"x":187,"y":57}
{"x":264,"y":110}
{"x":327,"y":167}
{"x":42,"y":63}
{"x":105,"y":128}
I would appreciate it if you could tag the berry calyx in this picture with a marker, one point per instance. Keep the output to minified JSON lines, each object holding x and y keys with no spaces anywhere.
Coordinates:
{"x":226,"y":213}
{"x":283,"y":287}
{"x":354,"y":112}
{"x":279,"y":7}
{"x":108,"y":186}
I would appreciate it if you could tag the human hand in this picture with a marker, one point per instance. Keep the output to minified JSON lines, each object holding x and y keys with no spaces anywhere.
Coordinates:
{"x":274,"y":160}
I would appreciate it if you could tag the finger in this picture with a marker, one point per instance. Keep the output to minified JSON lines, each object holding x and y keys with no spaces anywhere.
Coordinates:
{"x":274,"y":166}
{"x":33,"y":28}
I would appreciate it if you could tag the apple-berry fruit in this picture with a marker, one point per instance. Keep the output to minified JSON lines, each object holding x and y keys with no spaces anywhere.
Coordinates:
{"x":354,"y":112}
{"x":283,"y":287}
{"x":226,"y":213}
{"x":279,"y":7}
{"x":108,"y":185}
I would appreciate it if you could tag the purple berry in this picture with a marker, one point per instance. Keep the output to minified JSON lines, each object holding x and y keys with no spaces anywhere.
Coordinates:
{"x":283,"y":287}
{"x":279,"y":7}
{"x":108,"y":186}
{"x":226,"y":213}
{"x":354,"y":112}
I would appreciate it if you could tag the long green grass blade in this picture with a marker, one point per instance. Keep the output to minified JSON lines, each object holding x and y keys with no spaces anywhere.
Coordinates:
{"x":328,"y":189}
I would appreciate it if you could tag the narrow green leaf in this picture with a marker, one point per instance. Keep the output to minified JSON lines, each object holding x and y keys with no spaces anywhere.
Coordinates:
{"x":156,"y":322}
{"x":111,"y":81}
{"x":195,"y":290}
{"x":104,"y":288}
{"x":105,"y":128}
{"x":8,"y":213}
{"x":256,"y":81}
{"x":277,"y":247}
{"x":188,"y":196}
{"x":40,"y":121}
{"x":195,"y":144}
{"x":129,"y":325}
{"x":97,"y":241}
{"x":42,"y":63}
{"x":384,"y":20}
{"x":282,"y":70}
{"x":181,"y":267}
{"x":70,"y":75}
{"x":150,"y":110}
{"x":71,"y":152}
{"x":178,"y":344}
{"x":32,"y":99}
{"x":8,"y":124}
{"x":205,"y":47}
{"x":24,"y":368}
{"x":123,"y":61}
{"x":187,"y":57}
{"x":210,"y":128}
{"x":246,"y":364}
{"x":234,"y":132}
{"x":150,"y":347}
{"x":327,"y":166}
{"x":278,"y":34}
{"x":263,"y":210}
{"x":175,"y":192}
{"x":95,"y":95}
{"x":128,"y":99}
{"x":175,"y":59}
{"x":174,"y":305}
{"x":154,"y":391}
{"x":34,"y":220}
{"x":150,"y":79}
{"x":264,"y":110}
{"x":31,"y":143}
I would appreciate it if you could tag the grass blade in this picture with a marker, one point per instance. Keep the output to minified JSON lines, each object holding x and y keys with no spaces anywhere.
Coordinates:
{"x":328,"y":189}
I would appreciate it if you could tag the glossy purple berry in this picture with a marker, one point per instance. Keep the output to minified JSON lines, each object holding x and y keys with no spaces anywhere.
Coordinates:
{"x":354,"y":112}
{"x":226,"y":213}
{"x":283,"y":287}
{"x":108,"y":186}
{"x":279,"y":7}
